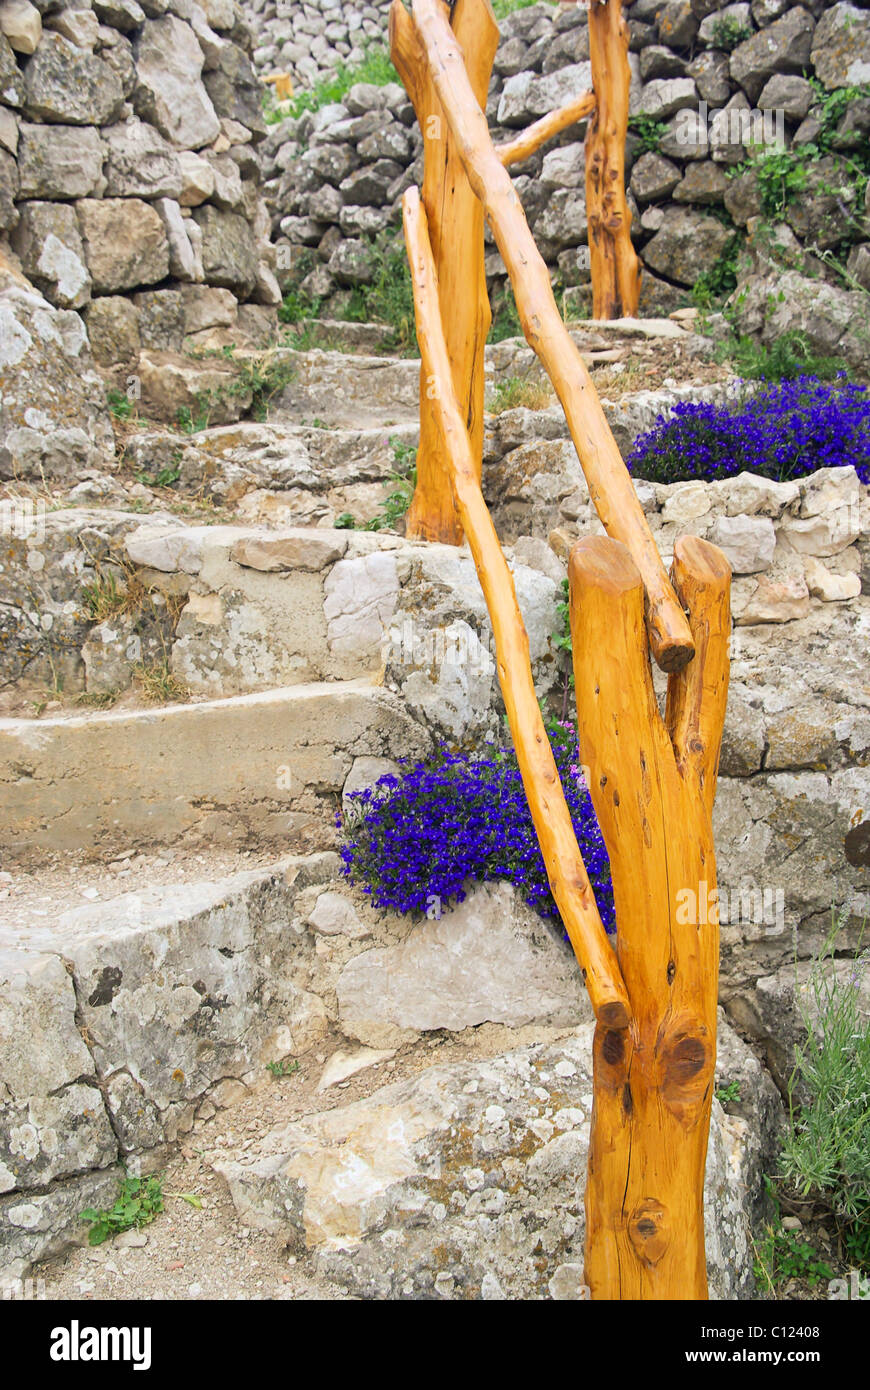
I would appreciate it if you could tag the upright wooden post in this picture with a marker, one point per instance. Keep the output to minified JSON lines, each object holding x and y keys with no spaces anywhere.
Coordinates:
{"x":652,"y":783}
{"x":455,"y":219}
{"x":614,"y":264}
{"x":610,"y":486}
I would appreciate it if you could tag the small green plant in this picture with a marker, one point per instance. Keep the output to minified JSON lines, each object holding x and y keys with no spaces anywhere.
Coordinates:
{"x":376,"y":68}
{"x":720,"y":280}
{"x":728,"y":32}
{"x":782,"y":1255}
{"x":728,"y":1095}
{"x":344,"y":522}
{"x":158,"y":683}
{"x":403,"y":479}
{"x":789,"y":357}
{"x":104,"y":598}
{"x":287,"y":1066}
{"x":137,"y":1204}
{"x":649,"y":131}
{"x":120,"y":404}
{"x":389,"y":297}
{"x":516,"y":391}
{"x":560,"y":640}
{"x":165,"y":477}
{"x":827,"y":1150}
{"x":505,"y":319}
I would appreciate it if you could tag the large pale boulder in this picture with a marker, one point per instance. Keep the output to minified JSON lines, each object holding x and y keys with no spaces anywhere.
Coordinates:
{"x":841,"y":46}
{"x":140,"y":163}
{"x":489,"y":959}
{"x":49,"y":246}
{"x":467,"y":1181}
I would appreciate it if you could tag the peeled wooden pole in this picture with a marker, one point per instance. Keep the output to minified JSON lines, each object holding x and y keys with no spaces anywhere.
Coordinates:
{"x":456,"y":222}
{"x":653,"y":1082}
{"x":610,"y":486}
{"x":614,"y":264}
{"x":564,"y":863}
{"x":523,"y":145}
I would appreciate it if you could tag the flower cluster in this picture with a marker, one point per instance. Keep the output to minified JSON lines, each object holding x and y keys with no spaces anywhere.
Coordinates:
{"x":785,"y":430}
{"x":419,"y":838}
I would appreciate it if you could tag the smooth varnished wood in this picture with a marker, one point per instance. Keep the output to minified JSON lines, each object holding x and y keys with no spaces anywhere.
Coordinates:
{"x":562,"y":858}
{"x":653,"y":1081}
{"x":614,"y":264}
{"x":455,"y":218}
{"x":534,"y":136}
{"x":610,"y":486}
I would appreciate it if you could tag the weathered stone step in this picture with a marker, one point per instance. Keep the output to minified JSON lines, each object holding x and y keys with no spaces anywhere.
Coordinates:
{"x":268,"y":766}
{"x":467,"y":1180}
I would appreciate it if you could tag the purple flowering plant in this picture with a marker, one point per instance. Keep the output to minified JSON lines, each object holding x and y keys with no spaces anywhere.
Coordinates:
{"x":461,"y":818}
{"x":784,"y":430}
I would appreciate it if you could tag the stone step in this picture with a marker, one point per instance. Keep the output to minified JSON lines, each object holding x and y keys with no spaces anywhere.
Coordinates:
{"x":268,"y":768}
{"x":124,"y":607}
{"x":475,"y":1171}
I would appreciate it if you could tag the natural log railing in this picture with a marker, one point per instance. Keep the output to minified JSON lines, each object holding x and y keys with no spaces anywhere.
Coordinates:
{"x":652,"y":780}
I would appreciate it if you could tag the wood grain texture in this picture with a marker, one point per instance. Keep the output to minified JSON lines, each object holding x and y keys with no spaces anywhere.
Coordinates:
{"x":653,"y":1081}
{"x":614,"y":264}
{"x":610,"y":486}
{"x":455,"y":218}
{"x":534,"y":136}
{"x":562,"y":858}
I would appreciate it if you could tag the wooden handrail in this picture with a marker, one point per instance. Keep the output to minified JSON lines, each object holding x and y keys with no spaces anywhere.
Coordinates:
{"x":610,"y":486}
{"x":562,"y":858}
{"x":523,"y":145}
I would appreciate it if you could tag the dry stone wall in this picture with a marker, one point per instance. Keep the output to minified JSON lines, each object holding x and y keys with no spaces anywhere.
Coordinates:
{"x":708,"y":80}
{"x":130,"y":200}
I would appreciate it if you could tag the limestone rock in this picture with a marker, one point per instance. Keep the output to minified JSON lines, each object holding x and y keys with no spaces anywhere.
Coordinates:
{"x":52,"y":1121}
{"x":782,"y":47}
{"x":300,"y":550}
{"x":170,"y":93}
{"x":125,"y":243}
{"x":475,"y":1172}
{"x":48,"y":244}
{"x":748,"y":542}
{"x":140,"y":163}
{"x":841,"y":46}
{"x":527,"y":95}
{"x":113,"y":328}
{"x":489,"y":959}
{"x":48,"y":381}
{"x":21,"y":25}
{"x":59,"y":162}
{"x":69,"y":86}
{"x":229,"y":252}
{"x":688,"y":243}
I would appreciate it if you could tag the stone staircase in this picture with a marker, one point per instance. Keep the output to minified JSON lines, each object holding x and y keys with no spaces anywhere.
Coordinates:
{"x":293,"y":661}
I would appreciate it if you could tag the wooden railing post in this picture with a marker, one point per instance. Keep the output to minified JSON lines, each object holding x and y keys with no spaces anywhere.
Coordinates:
{"x":455,"y":219}
{"x":652,"y":783}
{"x":614,"y":265}
{"x":610,"y":486}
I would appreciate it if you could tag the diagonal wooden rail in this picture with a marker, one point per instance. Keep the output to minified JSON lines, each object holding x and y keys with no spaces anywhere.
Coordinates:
{"x":563,"y":861}
{"x":534,"y":136}
{"x":610,"y":486}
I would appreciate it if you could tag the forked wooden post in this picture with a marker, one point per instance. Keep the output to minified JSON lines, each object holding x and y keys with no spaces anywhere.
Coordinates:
{"x":455,"y":219}
{"x":614,"y":264}
{"x":652,"y":783}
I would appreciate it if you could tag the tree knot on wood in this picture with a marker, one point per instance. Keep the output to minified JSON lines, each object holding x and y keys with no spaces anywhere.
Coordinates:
{"x":649,"y":1230}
